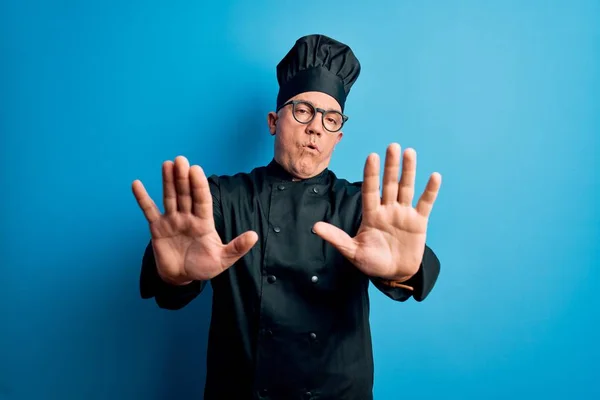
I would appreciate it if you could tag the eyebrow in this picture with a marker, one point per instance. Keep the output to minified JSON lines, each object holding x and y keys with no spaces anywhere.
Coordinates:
{"x":317,"y":106}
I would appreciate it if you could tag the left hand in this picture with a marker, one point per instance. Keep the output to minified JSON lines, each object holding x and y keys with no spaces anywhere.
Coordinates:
{"x":390,"y":241}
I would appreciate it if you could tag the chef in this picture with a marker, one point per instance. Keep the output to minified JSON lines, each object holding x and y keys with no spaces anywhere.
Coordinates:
{"x":289,"y":248}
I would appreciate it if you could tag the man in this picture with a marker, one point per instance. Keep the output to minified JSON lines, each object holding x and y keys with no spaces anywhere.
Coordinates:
{"x":289,"y":248}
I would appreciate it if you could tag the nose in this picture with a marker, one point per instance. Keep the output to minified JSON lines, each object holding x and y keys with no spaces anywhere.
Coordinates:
{"x":315,"y":127}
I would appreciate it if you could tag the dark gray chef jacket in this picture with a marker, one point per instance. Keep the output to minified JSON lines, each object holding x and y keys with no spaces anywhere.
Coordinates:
{"x":290,"y":320}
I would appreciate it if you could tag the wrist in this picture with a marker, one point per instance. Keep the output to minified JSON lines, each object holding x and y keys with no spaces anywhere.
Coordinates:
{"x":395,"y":283}
{"x":180,"y":280}
{"x":398,"y":281}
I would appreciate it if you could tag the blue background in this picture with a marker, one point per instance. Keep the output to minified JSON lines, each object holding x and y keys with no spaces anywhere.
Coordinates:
{"x":500,"y":97}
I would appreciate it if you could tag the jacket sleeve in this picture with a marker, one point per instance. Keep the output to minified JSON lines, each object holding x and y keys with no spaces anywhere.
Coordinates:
{"x":166,"y":295}
{"x":422,"y":282}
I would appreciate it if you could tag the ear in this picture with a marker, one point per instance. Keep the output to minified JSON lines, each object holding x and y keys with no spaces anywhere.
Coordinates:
{"x":272,"y":122}
{"x":339,"y":137}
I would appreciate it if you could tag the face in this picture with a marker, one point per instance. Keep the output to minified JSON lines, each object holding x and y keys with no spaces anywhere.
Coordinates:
{"x":304,"y":150}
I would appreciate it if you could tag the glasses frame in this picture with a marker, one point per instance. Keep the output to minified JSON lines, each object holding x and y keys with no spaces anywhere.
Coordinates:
{"x":317,"y":109}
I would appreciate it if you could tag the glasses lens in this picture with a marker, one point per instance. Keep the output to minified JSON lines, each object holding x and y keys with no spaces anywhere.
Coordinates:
{"x":303,"y":112}
{"x":332,"y":121}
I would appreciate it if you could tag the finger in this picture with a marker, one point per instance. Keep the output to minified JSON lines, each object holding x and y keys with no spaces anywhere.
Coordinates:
{"x":149,"y":208}
{"x":429,"y":195}
{"x":182,"y":184}
{"x":337,"y":238}
{"x":370,"y":186}
{"x":169,"y":193}
{"x":390,"y":174}
{"x":237,"y":248}
{"x":406,"y":187}
{"x":202,"y":203}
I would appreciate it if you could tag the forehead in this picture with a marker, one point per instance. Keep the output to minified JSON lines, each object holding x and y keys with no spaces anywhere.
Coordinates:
{"x":319,"y":99}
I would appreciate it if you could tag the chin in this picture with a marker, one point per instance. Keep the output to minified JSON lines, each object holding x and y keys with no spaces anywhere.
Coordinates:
{"x":306,"y":167}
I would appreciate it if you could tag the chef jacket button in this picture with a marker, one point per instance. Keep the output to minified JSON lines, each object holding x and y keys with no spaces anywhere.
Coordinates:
{"x":314,"y":279}
{"x":313,"y":335}
{"x":315,"y":189}
{"x":271,"y":278}
{"x":308,"y":394}
{"x":277,"y":229}
{"x":264,"y":392}
{"x":280,"y":187}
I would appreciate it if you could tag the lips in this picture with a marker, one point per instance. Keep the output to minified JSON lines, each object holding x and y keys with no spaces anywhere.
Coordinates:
{"x":312,"y":146}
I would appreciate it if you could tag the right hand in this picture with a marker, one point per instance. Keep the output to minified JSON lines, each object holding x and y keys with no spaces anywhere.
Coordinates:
{"x":186,"y":244}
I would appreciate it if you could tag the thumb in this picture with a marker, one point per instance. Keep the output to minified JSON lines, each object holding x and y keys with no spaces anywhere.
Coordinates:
{"x":338,"y":239}
{"x":238,"y":247}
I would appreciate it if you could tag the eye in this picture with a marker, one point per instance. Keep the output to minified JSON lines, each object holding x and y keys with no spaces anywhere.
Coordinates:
{"x":303,"y":109}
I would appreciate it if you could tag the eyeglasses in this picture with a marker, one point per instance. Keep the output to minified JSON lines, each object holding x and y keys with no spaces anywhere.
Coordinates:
{"x":304,"y":112}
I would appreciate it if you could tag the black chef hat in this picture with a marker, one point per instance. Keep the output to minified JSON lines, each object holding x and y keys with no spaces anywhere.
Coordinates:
{"x":317,"y":63}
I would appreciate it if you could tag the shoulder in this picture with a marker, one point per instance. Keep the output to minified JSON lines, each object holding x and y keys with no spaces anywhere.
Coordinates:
{"x":228,"y":183}
{"x":346,"y":199}
{"x":344,"y":187}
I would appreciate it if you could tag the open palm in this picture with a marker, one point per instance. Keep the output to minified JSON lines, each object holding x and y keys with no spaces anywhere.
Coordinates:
{"x":185,"y":241}
{"x":391,"y":238}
